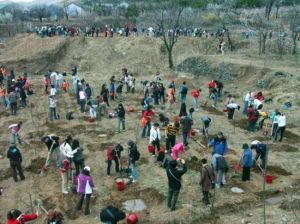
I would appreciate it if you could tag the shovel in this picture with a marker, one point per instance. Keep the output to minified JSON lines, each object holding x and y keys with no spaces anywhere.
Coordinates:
{"x":39,"y":203}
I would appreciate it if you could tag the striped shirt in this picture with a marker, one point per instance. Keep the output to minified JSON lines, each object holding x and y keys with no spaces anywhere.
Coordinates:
{"x":171,"y":129}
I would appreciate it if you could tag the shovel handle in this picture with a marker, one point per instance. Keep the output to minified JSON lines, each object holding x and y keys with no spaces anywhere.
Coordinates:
{"x":43,"y":209}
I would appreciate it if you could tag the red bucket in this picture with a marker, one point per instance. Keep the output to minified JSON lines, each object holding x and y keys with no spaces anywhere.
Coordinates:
{"x":132,"y":219}
{"x":193,"y":132}
{"x":120,"y":185}
{"x":269,"y":179}
{"x":131,"y":109}
{"x":91,"y":120}
{"x":151,"y":148}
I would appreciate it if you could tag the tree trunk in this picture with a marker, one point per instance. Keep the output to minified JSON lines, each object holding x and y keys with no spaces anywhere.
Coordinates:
{"x":41,"y":19}
{"x":277,"y":10}
{"x":259,"y":44}
{"x":170,"y":57}
{"x":264,"y":40}
{"x":294,"y":48}
{"x":230,"y":44}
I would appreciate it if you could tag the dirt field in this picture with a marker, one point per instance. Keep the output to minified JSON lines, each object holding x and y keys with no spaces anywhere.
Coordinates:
{"x":97,"y":60}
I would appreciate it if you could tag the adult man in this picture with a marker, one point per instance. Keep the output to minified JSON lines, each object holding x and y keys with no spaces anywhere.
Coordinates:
{"x":186,"y":125}
{"x":246,"y":162}
{"x":281,"y":127}
{"x":252,"y":118}
{"x":174,"y":180}
{"x":183,"y":92}
{"x":206,"y":180}
{"x":206,"y":122}
{"x":147,"y":115}
{"x":171,"y":131}
{"x":155,"y":137}
{"x":15,"y":158}
{"x":82,"y":100}
{"x":52,"y":108}
{"x":261,"y":152}
{"x":112,"y":154}
{"x":133,"y":157}
{"x":13,"y":97}
{"x":219,"y":144}
{"x":52,"y":143}
{"x":220,"y":166}
{"x":231,"y":109}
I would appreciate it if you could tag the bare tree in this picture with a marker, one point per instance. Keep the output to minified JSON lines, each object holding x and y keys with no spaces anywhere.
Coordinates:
{"x":268,"y":8}
{"x":227,"y":16}
{"x":66,"y":10}
{"x":294,"y":22}
{"x":168,"y":21}
{"x":39,"y":12}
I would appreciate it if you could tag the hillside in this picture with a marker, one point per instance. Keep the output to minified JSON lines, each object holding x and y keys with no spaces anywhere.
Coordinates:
{"x":97,"y":60}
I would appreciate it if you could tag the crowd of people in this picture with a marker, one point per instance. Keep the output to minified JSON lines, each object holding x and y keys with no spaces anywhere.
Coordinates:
{"x":127,"y":30}
{"x":169,"y":151}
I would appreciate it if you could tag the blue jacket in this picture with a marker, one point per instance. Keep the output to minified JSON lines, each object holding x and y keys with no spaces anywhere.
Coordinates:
{"x":247,"y":158}
{"x":219,"y":147}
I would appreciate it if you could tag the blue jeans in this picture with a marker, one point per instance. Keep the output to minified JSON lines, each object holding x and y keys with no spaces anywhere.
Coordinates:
{"x":196,"y":103}
{"x":52,"y":114}
{"x":134,"y":172}
{"x":121,"y":121}
{"x":5,"y":101}
{"x":183,"y":98}
{"x":184,"y":137}
{"x":147,"y":126}
{"x":215,"y":99}
{"x":251,"y":126}
{"x":82,"y":106}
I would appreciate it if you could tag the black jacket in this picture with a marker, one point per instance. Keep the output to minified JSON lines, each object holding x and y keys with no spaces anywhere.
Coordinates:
{"x":111,"y":214}
{"x":52,"y":140}
{"x":121,"y":113}
{"x":174,"y":176}
{"x":13,"y":154}
{"x":133,"y":153}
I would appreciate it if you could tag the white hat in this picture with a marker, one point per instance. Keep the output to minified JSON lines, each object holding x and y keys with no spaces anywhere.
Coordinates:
{"x":87,"y":168}
{"x":13,"y":80}
{"x":255,"y":142}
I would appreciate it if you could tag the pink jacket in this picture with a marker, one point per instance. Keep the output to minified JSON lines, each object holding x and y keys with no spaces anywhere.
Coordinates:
{"x":178,"y":148}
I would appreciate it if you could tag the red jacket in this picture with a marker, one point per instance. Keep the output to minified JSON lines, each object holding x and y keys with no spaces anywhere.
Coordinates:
{"x":195,"y":93}
{"x":147,"y":114}
{"x":212,"y":85}
{"x":25,"y":218}
{"x":109,"y":152}
{"x":251,"y":115}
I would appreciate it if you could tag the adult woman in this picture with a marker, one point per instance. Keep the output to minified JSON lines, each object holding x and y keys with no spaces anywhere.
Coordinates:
{"x":85,"y":189}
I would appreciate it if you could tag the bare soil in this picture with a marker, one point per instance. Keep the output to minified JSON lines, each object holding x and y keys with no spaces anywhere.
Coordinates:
{"x":97,"y":61}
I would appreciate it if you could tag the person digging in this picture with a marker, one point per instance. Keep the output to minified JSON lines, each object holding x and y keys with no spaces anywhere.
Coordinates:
{"x":52,"y":143}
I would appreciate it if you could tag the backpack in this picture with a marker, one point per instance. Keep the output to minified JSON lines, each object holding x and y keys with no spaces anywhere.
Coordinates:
{"x":184,"y":90}
{"x":137,"y":155}
{"x":221,"y":164}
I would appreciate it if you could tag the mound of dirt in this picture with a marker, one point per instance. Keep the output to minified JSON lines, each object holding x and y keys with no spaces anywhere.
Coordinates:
{"x":224,"y":72}
{"x":282,"y":148}
{"x":290,"y":205}
{"x":213,"y":110}
{"x":195,"y":65}
{"x":36,"y":165}
{"x":194,"y":164}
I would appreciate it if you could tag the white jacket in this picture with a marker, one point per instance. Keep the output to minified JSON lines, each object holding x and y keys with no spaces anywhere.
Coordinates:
{"x":66,"y":150}
{"x":154,"y":134}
